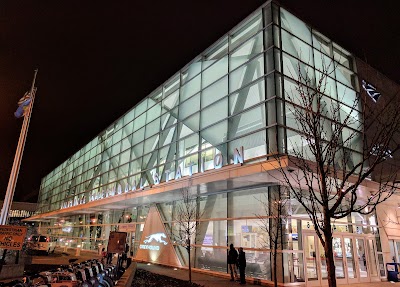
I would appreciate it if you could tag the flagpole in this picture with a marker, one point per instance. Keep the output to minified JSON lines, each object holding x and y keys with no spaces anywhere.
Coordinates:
{"x":18,"y":157}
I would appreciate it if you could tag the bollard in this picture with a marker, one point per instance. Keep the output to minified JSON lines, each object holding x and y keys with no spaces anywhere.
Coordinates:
{"x":78,"y":251}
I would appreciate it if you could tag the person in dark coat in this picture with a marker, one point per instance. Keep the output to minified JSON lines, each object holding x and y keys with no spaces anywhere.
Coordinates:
{"x":109,"y":257}
{"x":232,"y":262}
{"x":242,"y":265}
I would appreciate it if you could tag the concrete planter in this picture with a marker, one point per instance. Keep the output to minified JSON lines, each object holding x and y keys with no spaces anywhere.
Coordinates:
{"x":11,"y":271}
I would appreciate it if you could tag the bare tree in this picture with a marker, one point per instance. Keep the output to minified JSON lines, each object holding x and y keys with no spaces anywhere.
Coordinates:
{"x":275,"y":206}
{"x":187,"y":218}
{"x":337,"y":148}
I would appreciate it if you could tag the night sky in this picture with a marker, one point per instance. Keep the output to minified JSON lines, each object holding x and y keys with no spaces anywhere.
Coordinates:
{"x":97,"y":59}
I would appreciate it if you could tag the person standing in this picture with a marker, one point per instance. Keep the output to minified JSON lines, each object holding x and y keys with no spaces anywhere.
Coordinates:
{"x":103,"y":255}
{"x":109,"y":257}
{"x":242,"y":265}
{"x":232,"y":262}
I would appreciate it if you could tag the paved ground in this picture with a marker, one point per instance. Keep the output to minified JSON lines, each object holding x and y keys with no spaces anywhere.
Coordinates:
{"x":61,"y":258}
{"x":214,"y":281}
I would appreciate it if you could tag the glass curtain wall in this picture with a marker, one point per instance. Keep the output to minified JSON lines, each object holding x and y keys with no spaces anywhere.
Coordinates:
{"x":234,"y":94}
{"x":213,"y":105}
{"x":306,"y":55}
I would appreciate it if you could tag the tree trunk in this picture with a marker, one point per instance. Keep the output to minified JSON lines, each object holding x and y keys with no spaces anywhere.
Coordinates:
{"x":275,"y":271}
{"x":190,"y":264}
{"x":330,"y":263}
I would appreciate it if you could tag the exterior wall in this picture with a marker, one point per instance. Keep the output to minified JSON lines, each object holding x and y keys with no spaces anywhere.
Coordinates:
{"x":388,"y":211}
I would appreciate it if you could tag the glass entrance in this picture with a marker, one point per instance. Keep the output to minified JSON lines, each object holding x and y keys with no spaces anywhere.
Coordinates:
{"x":315,"y":263}
{"x":354,"y":257}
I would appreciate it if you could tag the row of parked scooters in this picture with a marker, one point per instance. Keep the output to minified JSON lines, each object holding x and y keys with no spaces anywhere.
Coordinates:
{"x":91,"y":273}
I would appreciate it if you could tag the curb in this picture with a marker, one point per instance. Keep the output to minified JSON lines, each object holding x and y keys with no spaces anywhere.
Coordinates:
{"x":127,"y":277}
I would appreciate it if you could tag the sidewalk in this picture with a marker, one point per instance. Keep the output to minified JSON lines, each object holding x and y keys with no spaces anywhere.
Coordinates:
{"x":216,"y":281}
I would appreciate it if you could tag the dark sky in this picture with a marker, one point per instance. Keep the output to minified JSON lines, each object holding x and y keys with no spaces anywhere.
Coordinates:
{"x":97,"y":59}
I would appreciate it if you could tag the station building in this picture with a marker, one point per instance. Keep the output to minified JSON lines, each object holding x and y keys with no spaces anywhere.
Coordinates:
{"x":215,"y":128}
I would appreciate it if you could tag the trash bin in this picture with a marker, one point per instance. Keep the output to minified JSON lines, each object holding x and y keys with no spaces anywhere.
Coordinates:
{"x":393,"y":271}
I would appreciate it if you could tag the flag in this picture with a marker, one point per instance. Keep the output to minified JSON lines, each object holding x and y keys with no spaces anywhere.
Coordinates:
{"x":23,"y":105}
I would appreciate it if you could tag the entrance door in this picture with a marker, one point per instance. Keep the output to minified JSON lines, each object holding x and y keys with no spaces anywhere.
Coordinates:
{"x":354,"y":257}
{"x":315,"y":263}
{"x":361,"y":255}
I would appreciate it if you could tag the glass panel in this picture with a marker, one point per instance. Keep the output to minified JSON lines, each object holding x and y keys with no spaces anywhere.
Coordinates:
{"x":338,"y":257}
{"x":372,"y":257}
{"x":150,"y":144}
{"x":324,"y":272}
{"x":171,"y":86}
{"x":189,"y":145}
{"x":247,"y":97}
{"x":293,"y":267}
{"x":246,"y":74}
{"x":192,"y":70}
{"x":247,"y":122}
{"x":152,"y":128}
{"x":214,"y":113}
{"x":328,"y":85}
{"x":214,"y":92}
{"x":171,"y":101}
{"x":190,"y":88}
{"x":139,"y":122}
{"x":292,"y":67}
{"x":346,"y":95}
{"x":351,"y":263}
{"x":140,"y":108}
{"x":192,"y":122}
{"x":189,"y":107}
{"x":153,"y":113}
{"x":245,"y":52}
{"x":321,"y":43}
{"x":324,"y":63}
{"x":129,"y":116}
{"x":346,"y":76}
{"x":138,"y":136}
{"x":217,"y":51}
{"x":216,"y":71}
{"x":246,"y":30}
{"x":254,"y":145}
{"x":297,"y":48}
{"x":342,"y":56}
{"x":215,"y":134}
{"x":362,"y":258}
{"x":311,"y":258}
{"x":295,"y":26}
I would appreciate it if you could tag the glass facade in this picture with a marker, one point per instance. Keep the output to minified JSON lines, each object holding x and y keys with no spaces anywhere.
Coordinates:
{"x":234,"y":94}
{"x":240,"y":92}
